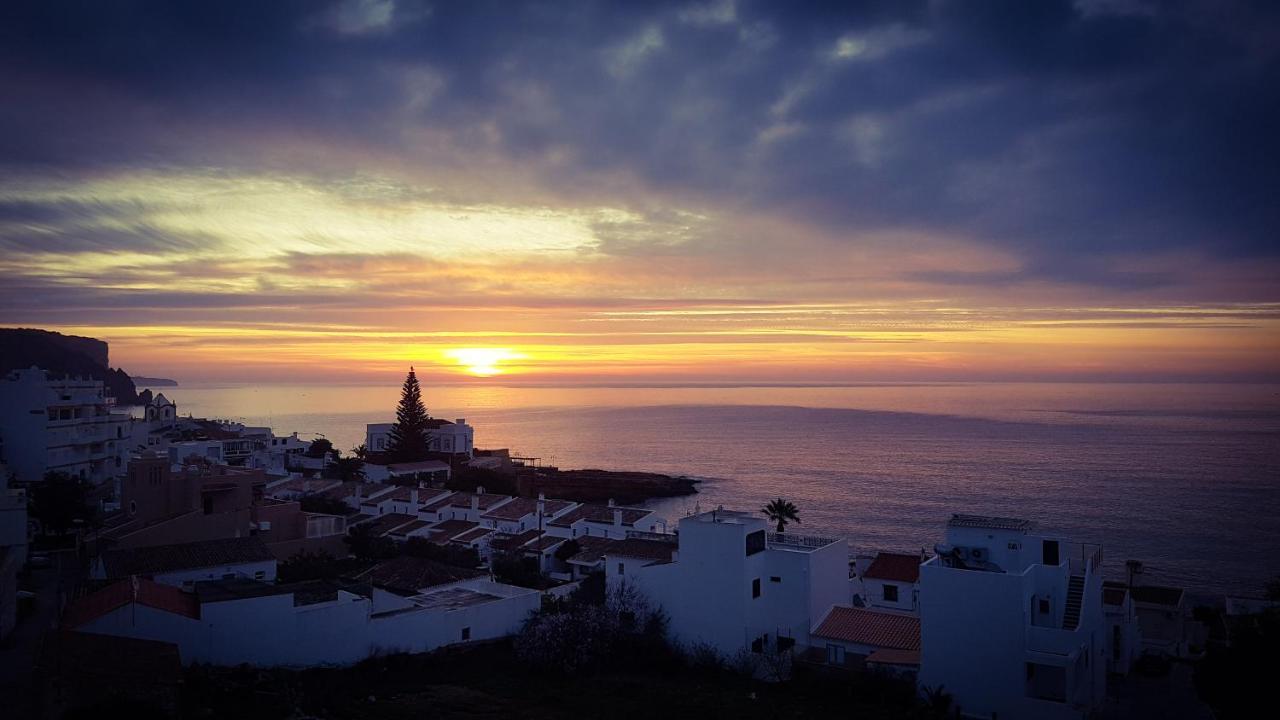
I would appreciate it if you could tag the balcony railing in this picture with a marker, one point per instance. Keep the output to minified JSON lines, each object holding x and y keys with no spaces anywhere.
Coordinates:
{"x":1087,"y":558}
{"x":800,"y":541}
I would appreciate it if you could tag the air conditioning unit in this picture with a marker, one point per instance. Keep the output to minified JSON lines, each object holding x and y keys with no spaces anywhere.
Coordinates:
{"x":978,"y":554}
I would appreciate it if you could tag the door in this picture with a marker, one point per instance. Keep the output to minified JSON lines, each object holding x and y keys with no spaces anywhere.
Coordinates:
{"x":1051,"y":553}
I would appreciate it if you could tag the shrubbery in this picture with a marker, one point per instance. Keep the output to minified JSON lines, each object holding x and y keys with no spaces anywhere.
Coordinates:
{"x":575,"y":637}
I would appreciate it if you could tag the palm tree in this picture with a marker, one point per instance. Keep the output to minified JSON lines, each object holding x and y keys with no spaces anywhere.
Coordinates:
{"x":782,"y":512}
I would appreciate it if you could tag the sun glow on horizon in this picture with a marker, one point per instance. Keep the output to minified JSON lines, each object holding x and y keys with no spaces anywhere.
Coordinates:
{"x":482,"y":362}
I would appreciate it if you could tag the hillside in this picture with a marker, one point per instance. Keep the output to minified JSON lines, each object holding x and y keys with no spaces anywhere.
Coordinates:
{"x":64,"y":355}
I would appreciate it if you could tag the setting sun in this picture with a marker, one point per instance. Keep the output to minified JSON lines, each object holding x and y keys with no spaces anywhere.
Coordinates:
{"x":482,"y":362}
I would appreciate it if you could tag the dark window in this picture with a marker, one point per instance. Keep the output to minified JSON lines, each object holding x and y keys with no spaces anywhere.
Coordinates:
{"x":466,"y":633}
{"x":775,"y":578}
{"x":835,"y":654}
{"x":755,"y":588}
{"x":757,"y":645}
{"x":755,"y":542}
{"x":1044,"y":606}
{"x":891,"y":593}
{"x":621,"y":568}
{"x":786,"y":643}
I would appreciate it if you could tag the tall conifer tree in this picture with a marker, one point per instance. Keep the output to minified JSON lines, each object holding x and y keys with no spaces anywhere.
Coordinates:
{"x":409,"y":437}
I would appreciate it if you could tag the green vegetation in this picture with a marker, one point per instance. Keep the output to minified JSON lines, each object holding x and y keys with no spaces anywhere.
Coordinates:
{"x":409,"y":437}
{"x":781,"y":512}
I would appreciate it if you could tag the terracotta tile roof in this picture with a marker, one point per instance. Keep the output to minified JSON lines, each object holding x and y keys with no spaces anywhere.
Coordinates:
{"x":514,"y":510}
{"x":898,"y":567}
{"x":894,"y":656}
{"x":487,"y":500}
{"x":384,"y":524}
{"x":149,"y":593}
{"x":869,"y":627}
{"x":471,"y":535}
{"x":414,"y":526}
{"x":449,"y":529}
{"x":168,"y":558}
{"x":1158,"y":595}
{"x":410,"y":575}
{"x":546,"y":542}
{"x":511,"y":542}
{"x":602,"y":514}
{"x":445,"y":501}
{"x":591,"y":550}
{"x":642,"y":549}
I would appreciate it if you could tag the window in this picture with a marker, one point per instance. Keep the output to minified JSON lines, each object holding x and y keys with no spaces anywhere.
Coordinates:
{"x":466,"y":633}
{"x":775,"y":579}
{"x":1044,"y":606}
{"x":835,"y":654}
{"x":890,"y":593}
{"x":755,"y":588}
{"x":621,"y":568}
{"x":133,"y":507}
{"x":260,"y":575}
{"x":755,"y":542}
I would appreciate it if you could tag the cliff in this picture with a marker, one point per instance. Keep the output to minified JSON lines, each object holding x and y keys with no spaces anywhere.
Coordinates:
{"x":64,"y":355}
{"x":603,"y":485}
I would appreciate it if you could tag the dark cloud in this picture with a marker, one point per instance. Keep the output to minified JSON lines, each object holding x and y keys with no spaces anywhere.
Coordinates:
{"x":1038,"y":126}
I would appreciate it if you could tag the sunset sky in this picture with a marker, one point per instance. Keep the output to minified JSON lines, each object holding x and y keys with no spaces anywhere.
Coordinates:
{"x":590,"y":192}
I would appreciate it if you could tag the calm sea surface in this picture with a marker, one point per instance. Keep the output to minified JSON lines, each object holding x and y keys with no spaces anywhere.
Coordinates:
{"x":1183,"y":477}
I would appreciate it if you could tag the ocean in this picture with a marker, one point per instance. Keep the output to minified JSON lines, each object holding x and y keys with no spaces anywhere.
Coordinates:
{"x":1184,"y":477}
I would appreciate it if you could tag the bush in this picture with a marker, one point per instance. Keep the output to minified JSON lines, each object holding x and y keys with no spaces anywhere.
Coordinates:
{"x":571,"y":638}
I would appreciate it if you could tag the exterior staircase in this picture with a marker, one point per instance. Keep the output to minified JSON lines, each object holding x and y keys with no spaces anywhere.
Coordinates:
{"x":1075,"y":596}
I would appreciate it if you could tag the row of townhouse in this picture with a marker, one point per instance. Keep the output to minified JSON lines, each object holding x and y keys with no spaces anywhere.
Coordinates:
{"x":218,"y":602}
{"x":486,"y":522}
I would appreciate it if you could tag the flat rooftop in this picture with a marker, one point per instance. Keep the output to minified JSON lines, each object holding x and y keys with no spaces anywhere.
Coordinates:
{"x":989,"y":522}
{"x":453,"y":598}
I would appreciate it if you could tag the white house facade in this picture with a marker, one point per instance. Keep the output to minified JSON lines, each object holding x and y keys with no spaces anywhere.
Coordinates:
{"x":1012,"y":621}
{"x":734,"y":585}
{"x":67,"y":426}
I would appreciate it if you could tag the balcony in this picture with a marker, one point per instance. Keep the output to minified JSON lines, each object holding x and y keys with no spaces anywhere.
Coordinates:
{"x":802,"y":543}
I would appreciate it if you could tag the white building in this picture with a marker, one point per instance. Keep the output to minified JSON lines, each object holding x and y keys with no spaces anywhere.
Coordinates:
{"x":609,"y":521}
{"x":455,"y":437}
{"x":734,"y":585}
{"x":1012,"y":622}
{"x":306,"y":624}
{"x":1124,"y":642}
{"x":65,"y":426}
{"x":890,"y":581}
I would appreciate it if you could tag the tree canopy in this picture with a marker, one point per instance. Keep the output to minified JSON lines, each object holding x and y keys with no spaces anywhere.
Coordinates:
{"x":781,"y":512}
{"x":409,"y":437}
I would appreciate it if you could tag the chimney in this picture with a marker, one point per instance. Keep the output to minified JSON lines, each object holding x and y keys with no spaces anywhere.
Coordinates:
{"x":611,"y":503}
{"x":475,"y":499}
{"x":413,"y":497}
{"x":461,"y":421}
{"x":617,"y":518}
{"x":359,"y":493}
